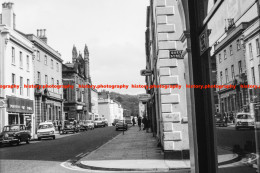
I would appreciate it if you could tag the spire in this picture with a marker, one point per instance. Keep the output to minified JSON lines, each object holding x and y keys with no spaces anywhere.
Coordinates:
{"x":74,"y":54}
{"x":86,"y":53}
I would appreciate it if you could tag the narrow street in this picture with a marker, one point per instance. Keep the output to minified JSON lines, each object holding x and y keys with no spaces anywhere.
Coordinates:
{"x":47,"y":155}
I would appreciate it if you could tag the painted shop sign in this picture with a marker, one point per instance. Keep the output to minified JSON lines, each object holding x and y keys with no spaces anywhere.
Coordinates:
{"x":20,"y":105}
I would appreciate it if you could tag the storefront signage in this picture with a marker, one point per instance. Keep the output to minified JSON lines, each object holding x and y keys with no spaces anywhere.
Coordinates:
{"x":175,"y":54}
{"x":146,"y":72}
{"x":20,"y":105}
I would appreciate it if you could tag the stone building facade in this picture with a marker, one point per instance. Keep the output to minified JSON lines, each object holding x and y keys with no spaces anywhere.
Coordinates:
{"x":47,"y":71}
{"x":16,"y":68}
{"x":77,"y":100}
{"x":168,"y":107}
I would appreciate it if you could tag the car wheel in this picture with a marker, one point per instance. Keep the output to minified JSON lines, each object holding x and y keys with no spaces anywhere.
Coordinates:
{"x":27,"y":140}
{"x":237,"y":128}
{"x":116,"y":129}
{"x":53,"y":137}
{"x":39,"y":139}
{"x":18,"y":142}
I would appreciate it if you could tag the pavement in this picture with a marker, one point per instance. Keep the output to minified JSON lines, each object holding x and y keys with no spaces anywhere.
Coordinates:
{"x":137,"y":151}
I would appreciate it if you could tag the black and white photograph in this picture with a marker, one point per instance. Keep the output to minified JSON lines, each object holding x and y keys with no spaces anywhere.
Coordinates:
{"x":131,"y":86}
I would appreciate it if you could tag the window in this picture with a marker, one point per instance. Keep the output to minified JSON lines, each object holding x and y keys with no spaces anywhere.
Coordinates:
{"x":250,"y":51}
{"x":65,"y":96}
{"x":13,"y":55}
{"x":253,"y":75}
{"x":27,"y":62}
{"x":58,"y":85}
{"x":226,"y":74}
{"x":257,"y":47}
{"x":52,"y":82}
{"x":219,"y":57}
{"x":225,"y":54}
{"x":28,"y":89}
{"x":21,"y":85}
{"x":38,"y":56}
{"x":39,"y":78}
{"x":232,"y":72}
{"x":21,"y":60}
{"x":45,"y":59}
{"x":239,"y":67}
{"x":231,"y":50}
{"x":46,"y":79}
{"x":57,"y":66}
{"x":13,"y":82}
{"x":221,"y":78}
{"x":51,"y":63}
{"x":238,"y":44}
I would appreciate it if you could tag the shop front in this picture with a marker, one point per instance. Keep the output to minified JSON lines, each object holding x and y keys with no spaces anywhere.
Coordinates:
{"x":20,"y":111}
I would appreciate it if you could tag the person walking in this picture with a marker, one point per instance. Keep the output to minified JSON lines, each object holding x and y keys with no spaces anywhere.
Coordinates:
{"x":59,"y":126}
{"x":144,"y":121}
{"x":139,"y":122}
{"x":133,"y":120}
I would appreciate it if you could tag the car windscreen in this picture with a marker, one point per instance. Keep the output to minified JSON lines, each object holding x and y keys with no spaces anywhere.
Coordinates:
{"x":244,"y":116}
{"x":11,"y":128}
{"x":45,"y":126}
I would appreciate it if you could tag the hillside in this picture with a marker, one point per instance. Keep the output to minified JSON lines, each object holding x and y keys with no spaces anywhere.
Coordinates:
{"x":129,"y":102}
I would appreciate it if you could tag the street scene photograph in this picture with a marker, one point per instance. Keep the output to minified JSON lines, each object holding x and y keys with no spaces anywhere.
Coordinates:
{"x":147,"y":86}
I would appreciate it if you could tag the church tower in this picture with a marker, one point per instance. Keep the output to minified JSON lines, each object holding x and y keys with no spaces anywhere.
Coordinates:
{"x":74,"y":54}
{"x":86,"y":59}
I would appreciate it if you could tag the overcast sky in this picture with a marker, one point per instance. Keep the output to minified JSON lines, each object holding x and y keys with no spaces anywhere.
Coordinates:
{"x":112,"y":29}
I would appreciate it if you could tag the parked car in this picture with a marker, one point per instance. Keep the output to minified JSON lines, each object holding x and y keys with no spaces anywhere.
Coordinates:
{"x":89,"y":124}
{"x":115,"y":121}
{"x":121,"y":125}
{"x":244,"y":120}
{"x":12,"y":134}
{"x":220,"y":121}
{"x":82,"y":125}
{"x":70,"y":126}
{"x":105,"y":121}
{"x":46,"y":130}
{"x":98,"y":122}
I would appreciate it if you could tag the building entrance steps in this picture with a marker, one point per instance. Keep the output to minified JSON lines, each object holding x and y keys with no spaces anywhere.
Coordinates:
{"x":135,"y":151}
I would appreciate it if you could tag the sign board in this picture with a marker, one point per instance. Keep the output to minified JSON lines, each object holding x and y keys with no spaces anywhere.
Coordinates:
{"x":20,"y":105}
{"x":146,"y":72}
{"x":144,"y":97}
{"x":204,"y":44}
{"x":175,"y":54}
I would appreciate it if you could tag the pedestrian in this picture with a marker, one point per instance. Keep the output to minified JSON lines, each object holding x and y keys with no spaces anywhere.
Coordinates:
{"x":139,"y":121}
{"x":148,"y":125}
{"x":144,"y":121}
{"x":59,"y":126}
{"x":133,"y":120}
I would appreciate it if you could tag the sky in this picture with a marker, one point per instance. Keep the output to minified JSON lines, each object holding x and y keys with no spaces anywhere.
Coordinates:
{"x":114,"y":31}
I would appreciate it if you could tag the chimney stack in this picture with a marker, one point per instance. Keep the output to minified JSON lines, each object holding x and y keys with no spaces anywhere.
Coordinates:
{"x":8,"y":16}
{"x":41,"y":33}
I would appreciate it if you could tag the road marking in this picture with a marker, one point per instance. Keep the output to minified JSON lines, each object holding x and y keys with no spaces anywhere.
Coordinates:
{"x":79,"y":154}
